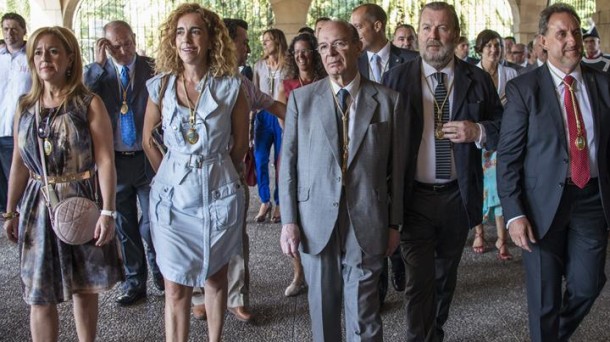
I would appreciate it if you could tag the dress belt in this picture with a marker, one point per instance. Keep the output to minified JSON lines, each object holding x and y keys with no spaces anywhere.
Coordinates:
{"x":436,"y":187}
{"x":198,"y":160}
{"x":63,"y":179}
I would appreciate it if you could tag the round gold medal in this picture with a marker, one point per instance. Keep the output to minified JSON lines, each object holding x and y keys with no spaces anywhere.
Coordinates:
{"x":124,"y":108}
{"x":192,"y":136}
{"x":438,"y":133}
{"x":48,"y":147}
{"x":580,"y":142}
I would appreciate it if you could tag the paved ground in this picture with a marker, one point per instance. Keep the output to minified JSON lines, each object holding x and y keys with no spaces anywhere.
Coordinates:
{"x":489,"y":304}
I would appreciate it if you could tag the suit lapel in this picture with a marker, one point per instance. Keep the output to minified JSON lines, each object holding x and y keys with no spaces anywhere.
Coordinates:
{"x":363,"y":65}
{"x":111,"y":72}
{"x":414,"y":90}
{"x":395,"y":58}
{"x":140,"y":77}
{"x":461,"y":84}
{"x":592,"y":89}
{"x":365,"y":109}
{"x":328,"y":117}
{"x":550,"y":101}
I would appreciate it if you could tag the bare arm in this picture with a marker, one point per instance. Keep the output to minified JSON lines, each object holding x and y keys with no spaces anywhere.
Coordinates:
{"x":151,"y":118}
{"x":239,"y":130}
{"x":18,"y":179}
{"x":103,"y":150}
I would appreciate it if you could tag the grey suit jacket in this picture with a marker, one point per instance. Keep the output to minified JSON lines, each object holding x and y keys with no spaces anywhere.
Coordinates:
{"x":533,"y":156}
{"x":310,"y":172}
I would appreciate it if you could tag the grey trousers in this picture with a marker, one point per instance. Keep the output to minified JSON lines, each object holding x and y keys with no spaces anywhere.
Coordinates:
{"x":343,"y":271}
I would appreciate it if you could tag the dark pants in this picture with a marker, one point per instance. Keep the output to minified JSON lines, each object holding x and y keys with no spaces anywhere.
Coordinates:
{"x":6,"y":158}
{"x":574,"y":248}
{"x":132,"y":187}
{"x":432,"y":241}
{"x":267,"y":133}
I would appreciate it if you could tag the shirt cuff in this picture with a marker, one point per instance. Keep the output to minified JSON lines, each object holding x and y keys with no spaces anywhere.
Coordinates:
{"x":513,"y":219}
{"x":482,"y":137}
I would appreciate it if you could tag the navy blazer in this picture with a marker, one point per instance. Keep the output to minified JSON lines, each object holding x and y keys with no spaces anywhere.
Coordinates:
{"x":474,"y":99}
{"x":104,"y":82}
{"x":533,"y":156}
{"x":397,"y":57}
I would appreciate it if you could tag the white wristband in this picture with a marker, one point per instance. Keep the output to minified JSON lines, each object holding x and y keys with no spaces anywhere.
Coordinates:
{"x":109,"y":213}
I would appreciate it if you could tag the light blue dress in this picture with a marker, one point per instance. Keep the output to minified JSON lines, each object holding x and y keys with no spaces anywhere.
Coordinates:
{"x":197,"y":202}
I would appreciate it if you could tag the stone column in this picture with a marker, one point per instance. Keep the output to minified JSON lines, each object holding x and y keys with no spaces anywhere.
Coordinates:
{"x":45,"y":13}
{"x":290,"y":15}
{"x":602,"y":22}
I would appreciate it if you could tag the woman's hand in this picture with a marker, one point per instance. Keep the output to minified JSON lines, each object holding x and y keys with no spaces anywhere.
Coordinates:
{"x":11,"y":226}
{"x":104,"y":230}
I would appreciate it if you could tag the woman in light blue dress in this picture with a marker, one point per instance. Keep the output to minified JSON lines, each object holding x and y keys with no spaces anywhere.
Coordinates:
{"x":489,"y":46}
{"x":196,"y":199}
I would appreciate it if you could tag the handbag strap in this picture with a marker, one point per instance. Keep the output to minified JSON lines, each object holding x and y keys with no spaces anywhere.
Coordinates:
{"x":164,"y":82}
{"x":44,"y":163}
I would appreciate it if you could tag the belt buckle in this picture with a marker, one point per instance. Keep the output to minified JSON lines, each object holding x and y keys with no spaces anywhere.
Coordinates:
{"x":438,"y":187}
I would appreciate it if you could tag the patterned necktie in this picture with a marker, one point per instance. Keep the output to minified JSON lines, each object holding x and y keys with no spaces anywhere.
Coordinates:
{"x":376,"y":67}
{"x":342,"y":97}
{"x":128,"y":127}
{"x":579,"y":152}
{"x":442,"y":147}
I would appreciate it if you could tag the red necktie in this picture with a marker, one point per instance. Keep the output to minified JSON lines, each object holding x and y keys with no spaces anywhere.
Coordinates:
{"x":579,"y":152}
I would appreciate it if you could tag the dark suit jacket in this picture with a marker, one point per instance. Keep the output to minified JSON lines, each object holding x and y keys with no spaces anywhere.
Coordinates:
{"x":533,"y":156}
{"x":472,"y":60}
{"x":397,"y":57}
{"x":528,"y":68}
{"x":104,"y":82}
{"x":475,"y":99}
{"x":311,"y":184}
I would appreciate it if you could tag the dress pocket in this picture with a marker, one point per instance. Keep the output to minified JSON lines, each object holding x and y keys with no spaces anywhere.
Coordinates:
{"x":226,"y":205}
{"x":161,"y":196}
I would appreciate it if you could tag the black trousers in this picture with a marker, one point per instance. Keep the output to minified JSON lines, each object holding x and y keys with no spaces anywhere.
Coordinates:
{"x":432,"y":242}
{"x":573,"y":249}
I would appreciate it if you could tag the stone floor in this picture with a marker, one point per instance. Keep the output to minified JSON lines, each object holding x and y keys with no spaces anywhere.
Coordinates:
{"x":489,"y":303}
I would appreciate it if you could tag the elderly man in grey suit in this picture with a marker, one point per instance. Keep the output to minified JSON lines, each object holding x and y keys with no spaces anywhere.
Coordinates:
{"x":341,"y":184}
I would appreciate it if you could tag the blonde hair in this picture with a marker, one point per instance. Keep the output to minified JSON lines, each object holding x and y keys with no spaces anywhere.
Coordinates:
{"x":278,"y":37}
{"x":74,"y":89}
{"x":221,"y":57}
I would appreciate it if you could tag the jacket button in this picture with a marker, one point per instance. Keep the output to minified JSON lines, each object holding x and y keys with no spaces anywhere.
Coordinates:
{"x":216,"y":194}
{"x":335,"y":204}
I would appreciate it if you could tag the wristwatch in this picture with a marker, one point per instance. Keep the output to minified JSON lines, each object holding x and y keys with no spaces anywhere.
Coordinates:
{"x":110,"y":213}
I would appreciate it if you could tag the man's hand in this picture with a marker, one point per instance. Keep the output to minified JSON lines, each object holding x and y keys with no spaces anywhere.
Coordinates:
{"x":290,"y":239}
{"x":100,"y":51}
{"x":393,"y":241}
{"x":521,"y":231}
{"x":461,"y":131}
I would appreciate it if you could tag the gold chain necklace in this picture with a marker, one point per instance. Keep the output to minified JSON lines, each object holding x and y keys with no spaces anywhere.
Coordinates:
{"x":344,"y":119}
{"x":46,"y":132}
{"x":191,"y":135}
{"x":579,"y":141}
{"x":123,"y":90}
{"x":438,"y":122}
{"x":271,"y":78}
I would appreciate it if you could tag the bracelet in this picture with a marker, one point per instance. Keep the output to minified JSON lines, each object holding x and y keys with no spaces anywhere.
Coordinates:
{"x":10,"y":215}
{"x":110,"y":213}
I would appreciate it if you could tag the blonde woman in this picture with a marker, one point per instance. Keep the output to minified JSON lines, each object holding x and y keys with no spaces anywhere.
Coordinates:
{"x":196,"y":198}
{"x":269,"y":72}
{"x":77,"y":135}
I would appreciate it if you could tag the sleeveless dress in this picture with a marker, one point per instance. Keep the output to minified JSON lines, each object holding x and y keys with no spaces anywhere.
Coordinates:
{"x":197,"y":202}
{"x":51,"y":271}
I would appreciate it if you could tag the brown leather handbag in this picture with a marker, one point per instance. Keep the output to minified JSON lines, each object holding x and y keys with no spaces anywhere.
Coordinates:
{"x":250,"y":168}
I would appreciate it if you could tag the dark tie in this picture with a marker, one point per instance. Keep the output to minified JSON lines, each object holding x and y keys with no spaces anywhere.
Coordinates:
{"x":128,"y":127}
{"x":579,"y":152}
{"x":442,"y":147}
{"x":342,"y":97}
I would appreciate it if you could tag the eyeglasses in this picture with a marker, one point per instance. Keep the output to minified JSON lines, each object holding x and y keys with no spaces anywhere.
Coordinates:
{"x":44,"y":126}
{"x":339,"y":45}
{"x":302,"y":51}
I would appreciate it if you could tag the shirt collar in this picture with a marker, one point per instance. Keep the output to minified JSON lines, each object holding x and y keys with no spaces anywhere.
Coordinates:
{"x":448,"y":70}
{"x":5,"y":50}
{"x":352,"y":88}
{"x":558,"y":75}
{"x":130,"y":65}
{"x":384,"y":53}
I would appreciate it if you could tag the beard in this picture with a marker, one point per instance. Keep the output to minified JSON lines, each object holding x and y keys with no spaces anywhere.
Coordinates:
{"x":439,"y":59}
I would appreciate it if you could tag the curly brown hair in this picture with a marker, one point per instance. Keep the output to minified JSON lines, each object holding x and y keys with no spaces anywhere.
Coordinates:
{"x":221,"y":57}
{"x":317,"y":66}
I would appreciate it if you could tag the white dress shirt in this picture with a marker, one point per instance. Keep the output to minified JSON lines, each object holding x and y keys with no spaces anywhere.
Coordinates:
{"x":384,"y":54}
{"x":353,"y":88}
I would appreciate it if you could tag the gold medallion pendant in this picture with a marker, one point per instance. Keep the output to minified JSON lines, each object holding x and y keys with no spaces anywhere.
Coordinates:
{"x":192,"y":136}
{"x":124,"y":108}
{"x":48,"y":147}
{"x":438,"y":133}
{"x":580,"y":142}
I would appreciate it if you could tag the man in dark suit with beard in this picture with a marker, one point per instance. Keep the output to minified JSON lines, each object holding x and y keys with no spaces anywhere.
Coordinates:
{"x":453,"y":110}
{"x":553,"y":177}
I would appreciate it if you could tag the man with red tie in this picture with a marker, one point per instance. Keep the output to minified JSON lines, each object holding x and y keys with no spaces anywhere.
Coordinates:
{"x":553,"y":177}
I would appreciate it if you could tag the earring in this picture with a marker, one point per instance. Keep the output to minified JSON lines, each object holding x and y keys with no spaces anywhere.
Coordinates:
{"x":69,"y":72}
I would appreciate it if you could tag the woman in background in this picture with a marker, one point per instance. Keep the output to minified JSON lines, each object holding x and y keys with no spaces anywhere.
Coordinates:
{"x":268,"y":75}
{"x":489,"y":46}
